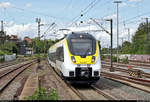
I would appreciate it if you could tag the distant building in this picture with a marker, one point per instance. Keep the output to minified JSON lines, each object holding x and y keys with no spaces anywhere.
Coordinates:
{"x":13,"y":38}
{"x":29,"y":51}
{"x":28,"y":40}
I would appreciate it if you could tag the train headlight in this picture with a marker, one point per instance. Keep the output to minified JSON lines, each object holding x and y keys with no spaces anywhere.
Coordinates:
{"x":73,"y":59}
{"x":93,"y":59}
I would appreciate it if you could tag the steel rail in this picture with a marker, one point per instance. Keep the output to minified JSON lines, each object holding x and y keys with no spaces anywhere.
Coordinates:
{"x":60,"y":79}
{"x":10,"y":80}
{"x":12,"y":63}
{"x":1,"y":76}
{"x":132,"y":62}
{"x":107,"y":95}
{"x":126,"y":65}
{"x":126,"y":78}
{"x":118,"y":78}
{"x":79,"y":94}
{"x":126,"y":70}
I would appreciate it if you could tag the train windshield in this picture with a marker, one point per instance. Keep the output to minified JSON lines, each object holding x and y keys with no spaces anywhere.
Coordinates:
{"x":82,"y":46}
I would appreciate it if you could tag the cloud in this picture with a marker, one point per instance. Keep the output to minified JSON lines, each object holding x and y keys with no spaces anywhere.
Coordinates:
{"x":83,"y":28}
{"x":21,"y":30}
{"x":28,"y":4}
{"x":123,"y":4}
{"x":11,"y":23}
{"x":4,"y":4}
{"x":30,"y":30}
{"x":113,"y":16}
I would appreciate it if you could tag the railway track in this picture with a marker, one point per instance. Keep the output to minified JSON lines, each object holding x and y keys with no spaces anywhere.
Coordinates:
{"x":8,"y":64}
{"x":124,"y":69}
{"x":7,"y":77}
{"x":135,"y":81}
{"x":107,"y":95}
{"x":91,"y":93}
{"x":139,"y":63}
{"x":11,"y":63}
{"x":126,"y":65}
{"x":80,"y":97}
{"x":134,"y":63}
{"x":131,"y":81}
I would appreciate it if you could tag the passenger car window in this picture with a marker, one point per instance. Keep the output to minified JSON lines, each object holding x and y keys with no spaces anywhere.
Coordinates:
{"x":60,"y":54}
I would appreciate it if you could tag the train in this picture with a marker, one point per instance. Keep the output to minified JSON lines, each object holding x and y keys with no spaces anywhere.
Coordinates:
{"x":76,"y":58}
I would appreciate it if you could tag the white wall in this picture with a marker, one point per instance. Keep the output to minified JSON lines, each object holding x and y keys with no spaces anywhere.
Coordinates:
{"x":10,"y":57}
{"x":1,"y":57}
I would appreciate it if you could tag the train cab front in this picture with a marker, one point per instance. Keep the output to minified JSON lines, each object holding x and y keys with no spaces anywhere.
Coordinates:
{"x":84,"y":55}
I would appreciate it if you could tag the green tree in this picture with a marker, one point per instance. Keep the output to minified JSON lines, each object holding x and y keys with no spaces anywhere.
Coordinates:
{"x":126,"y":48}
{"x":41,"y":46}
{"x":139,"y":44}
{"x":9,"y":47}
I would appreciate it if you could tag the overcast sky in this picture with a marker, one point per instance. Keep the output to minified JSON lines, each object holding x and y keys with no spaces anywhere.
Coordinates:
{"x":19,"y":17}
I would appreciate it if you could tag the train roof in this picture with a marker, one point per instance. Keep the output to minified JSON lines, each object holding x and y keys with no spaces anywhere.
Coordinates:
{"x":73,"y":35}
{"x":78,"y":34}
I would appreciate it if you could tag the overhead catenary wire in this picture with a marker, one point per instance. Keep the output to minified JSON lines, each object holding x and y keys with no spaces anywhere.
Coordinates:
{"x":127,"y":20}
{"x":84,"y":11}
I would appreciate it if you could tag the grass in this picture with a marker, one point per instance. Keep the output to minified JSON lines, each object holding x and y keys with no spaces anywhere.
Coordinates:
{"x":125,"y":60}
{"x":28,"y":70}
{"x":41,"y":94}
{"x":41,"y":73}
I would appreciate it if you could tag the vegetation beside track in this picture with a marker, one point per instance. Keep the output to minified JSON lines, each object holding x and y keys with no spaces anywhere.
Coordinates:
{"x":41,"y":94}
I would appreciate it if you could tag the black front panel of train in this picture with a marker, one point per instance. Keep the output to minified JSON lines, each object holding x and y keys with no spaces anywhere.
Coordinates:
{"x":83,"y":72}
{"x":81,"y":46}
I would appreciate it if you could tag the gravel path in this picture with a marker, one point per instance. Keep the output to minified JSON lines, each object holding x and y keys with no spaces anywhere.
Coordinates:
{"x":90,"y":94}
{"x":49,"y":81}
{"x":122,"y":91}
{"x":14,"y":88}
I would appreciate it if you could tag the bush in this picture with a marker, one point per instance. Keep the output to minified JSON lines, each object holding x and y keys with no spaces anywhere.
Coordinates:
{"x":39,"y":55}
{"x":114,"y":59}
{"x":2,"y":60}
{"x":9,"y":48}
{"x":1,"y":53}
{"x":52,"y":95}
{"x":125,"y":60}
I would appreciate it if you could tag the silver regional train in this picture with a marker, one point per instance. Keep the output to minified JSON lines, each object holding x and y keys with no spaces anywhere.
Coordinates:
{"x":76,"y":58}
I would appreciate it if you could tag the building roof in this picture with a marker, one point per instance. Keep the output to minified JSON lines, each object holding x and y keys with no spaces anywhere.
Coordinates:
{"x":29,"y":40}
{"x":13,"y":37}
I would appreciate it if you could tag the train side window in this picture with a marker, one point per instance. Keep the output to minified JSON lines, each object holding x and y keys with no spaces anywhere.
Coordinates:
{"x":52,"y":57}
{"x":60,"y":54}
